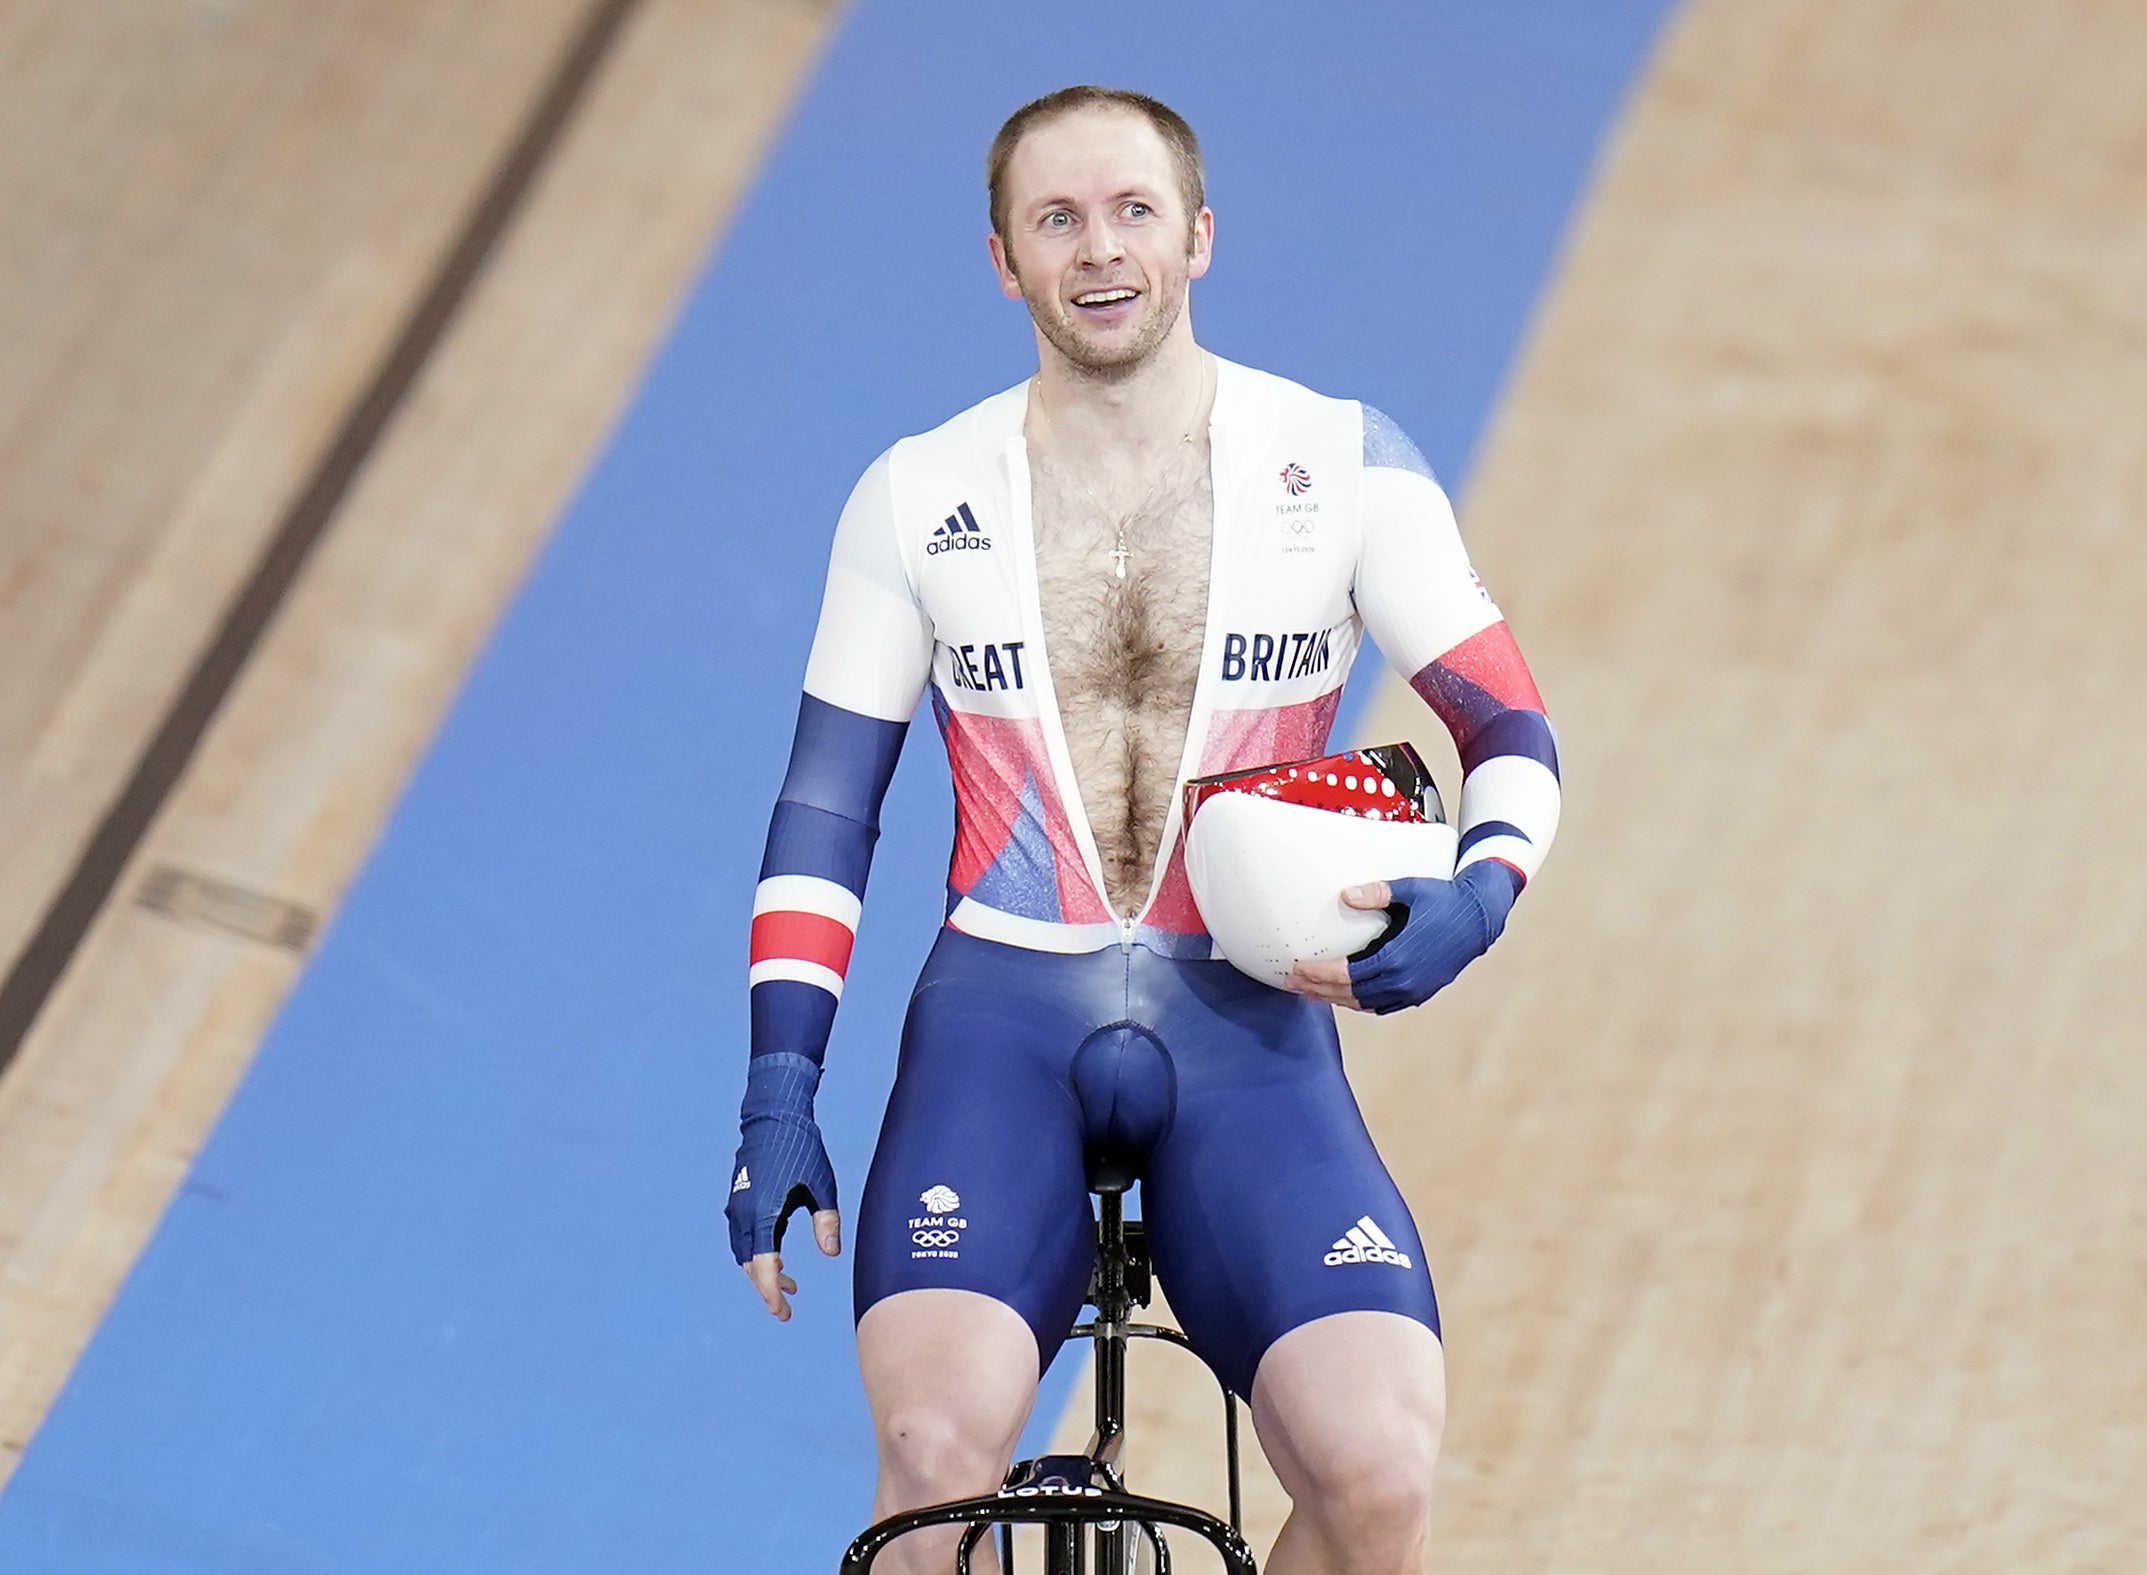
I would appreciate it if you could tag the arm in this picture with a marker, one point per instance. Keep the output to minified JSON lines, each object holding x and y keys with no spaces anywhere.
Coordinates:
{"x":1431,"y":615}
{"x":871,"y":655}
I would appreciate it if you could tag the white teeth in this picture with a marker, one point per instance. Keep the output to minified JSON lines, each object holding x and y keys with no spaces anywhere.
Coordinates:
{"x":1104,"y":297}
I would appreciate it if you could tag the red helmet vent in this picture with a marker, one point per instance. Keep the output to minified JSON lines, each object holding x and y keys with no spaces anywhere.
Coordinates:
{"x":1384,"y":782}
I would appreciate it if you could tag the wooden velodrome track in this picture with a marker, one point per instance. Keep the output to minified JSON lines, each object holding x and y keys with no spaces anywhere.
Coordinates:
{"x":1784,"y":1193}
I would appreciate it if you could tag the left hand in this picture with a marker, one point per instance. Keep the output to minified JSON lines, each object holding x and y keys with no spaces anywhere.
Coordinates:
{"x":1445,"y":926}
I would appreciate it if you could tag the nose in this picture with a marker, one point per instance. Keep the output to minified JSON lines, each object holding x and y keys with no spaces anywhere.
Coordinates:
{"x":1100,"y":243}
{"x":1128,"y":1090}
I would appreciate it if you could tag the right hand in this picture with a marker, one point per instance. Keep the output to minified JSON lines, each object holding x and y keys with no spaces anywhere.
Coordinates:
{"x":765,"y":1269}
{"x":782,"y":1166}
{"x":1445,"y":925}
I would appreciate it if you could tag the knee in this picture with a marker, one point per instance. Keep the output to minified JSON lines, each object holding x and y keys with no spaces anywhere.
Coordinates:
{"x":933,"y":1452}
{"x":1388,"y":1500}
{"x":1376,"y":1479}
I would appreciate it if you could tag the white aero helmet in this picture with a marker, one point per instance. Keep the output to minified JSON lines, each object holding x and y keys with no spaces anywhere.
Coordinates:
{"x":1269,"y":851}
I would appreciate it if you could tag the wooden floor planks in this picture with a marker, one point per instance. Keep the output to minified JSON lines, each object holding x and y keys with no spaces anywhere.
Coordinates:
{"x":214,"y":222}
{"x":157,"y":1018}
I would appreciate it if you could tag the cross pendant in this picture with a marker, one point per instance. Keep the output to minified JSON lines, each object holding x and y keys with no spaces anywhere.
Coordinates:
{"x":1119,"y":555}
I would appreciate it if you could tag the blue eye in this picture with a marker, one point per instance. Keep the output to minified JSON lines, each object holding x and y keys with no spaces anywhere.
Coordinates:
{"x":1139,"y":210}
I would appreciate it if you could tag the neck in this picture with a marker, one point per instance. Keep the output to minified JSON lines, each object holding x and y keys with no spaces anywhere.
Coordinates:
{"x":1136,"y":408}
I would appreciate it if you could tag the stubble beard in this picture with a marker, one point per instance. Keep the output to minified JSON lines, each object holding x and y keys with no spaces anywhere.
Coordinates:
{"x":1084,"y":355}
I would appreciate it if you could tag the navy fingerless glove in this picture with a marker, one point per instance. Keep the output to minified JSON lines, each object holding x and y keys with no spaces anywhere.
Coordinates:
{"x":1444,"y":925}
{"x":782,"y":1163}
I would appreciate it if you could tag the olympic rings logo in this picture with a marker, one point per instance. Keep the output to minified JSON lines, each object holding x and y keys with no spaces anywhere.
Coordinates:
{"x":935,"y":1238}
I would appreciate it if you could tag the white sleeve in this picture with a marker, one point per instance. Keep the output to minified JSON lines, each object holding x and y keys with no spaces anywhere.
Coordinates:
{"x":1436,"y":623}
{"x":873,"y":650}
{"x":1414,"y":588}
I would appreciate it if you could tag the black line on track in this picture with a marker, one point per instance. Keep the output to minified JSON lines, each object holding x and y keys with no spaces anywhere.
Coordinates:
{"x":37,"y":971}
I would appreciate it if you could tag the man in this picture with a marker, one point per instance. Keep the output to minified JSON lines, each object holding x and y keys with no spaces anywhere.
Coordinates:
{"x":1142,"y":565}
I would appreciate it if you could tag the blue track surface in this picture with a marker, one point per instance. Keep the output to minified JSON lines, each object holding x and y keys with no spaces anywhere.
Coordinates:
{"x":448,"y":1290}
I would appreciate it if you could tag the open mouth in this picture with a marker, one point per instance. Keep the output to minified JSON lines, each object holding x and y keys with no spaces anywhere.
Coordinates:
{"x":1105,"y":302}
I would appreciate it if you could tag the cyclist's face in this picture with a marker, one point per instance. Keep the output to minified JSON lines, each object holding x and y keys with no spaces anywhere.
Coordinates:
{"x":1098,"y":241}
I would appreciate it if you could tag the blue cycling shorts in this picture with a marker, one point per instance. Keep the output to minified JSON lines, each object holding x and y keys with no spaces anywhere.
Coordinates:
{"x":1265,"y":1202}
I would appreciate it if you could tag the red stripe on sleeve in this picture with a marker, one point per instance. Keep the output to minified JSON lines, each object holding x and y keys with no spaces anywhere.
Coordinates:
{"x":1492,"y":662}
{"x":803,"y":937}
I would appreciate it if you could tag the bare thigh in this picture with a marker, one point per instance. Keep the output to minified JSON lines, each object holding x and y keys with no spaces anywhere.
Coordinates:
{"x":950,"y":1376}
{"x":1349,"y":1410}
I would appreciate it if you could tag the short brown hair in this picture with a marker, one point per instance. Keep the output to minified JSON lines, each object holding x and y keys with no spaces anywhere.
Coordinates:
{"x":1169,"y":124}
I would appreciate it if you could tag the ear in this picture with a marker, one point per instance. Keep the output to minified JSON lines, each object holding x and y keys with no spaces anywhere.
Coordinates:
{"x":1003,"y":266}
{"x":1203,"y":243}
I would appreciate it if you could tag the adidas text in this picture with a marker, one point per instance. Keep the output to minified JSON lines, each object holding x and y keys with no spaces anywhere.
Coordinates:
{"x":958,"y":532}
{"x":1365,"y":1242}
{"x":1350,"y":1252}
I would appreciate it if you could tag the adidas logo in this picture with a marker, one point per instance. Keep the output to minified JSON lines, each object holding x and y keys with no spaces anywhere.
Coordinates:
{"x":1367,"y":1243}
{"x":744,"y":1181}
{"x":958,"y":532}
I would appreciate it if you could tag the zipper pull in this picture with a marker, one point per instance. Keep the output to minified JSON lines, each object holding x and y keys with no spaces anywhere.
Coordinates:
{"x":1125,"y":933}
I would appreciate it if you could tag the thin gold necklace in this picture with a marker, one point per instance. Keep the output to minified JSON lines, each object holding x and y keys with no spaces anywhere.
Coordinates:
{"x":1121,"y":552}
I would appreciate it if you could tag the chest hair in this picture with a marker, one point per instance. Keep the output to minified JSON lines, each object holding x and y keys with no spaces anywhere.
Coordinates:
{"x":1125,"y":653}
